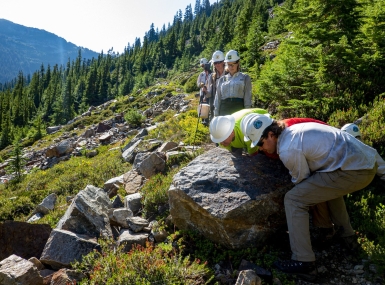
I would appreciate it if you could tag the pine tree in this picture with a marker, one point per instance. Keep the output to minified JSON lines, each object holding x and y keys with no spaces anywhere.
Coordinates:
{"x":16,"y":162}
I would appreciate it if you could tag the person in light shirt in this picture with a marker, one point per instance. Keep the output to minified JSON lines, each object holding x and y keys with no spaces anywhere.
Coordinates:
{"x":234,"y":89}
{"x":218,"y":61}
{"x":325,"y":164}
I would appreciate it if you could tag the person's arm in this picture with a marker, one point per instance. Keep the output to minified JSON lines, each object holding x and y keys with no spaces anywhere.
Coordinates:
{"x":381,"y":166}
{"x":296,"y":163}
{"x":199,"y":81}
{"x":218,"y":98}
{"x":209,"y":85}
{"x":247,"y":96}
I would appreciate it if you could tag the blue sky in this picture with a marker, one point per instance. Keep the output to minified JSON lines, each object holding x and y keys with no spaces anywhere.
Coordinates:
{"x":94,"y":24}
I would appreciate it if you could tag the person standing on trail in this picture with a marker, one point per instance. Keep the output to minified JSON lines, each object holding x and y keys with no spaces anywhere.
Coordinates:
{"x":234,"y":89}
{"x":325,"y":164}
{"x":203,"y":77}
{"x":202,"y":83}
{"x":219,"y":71}
{"x":226,"y":131}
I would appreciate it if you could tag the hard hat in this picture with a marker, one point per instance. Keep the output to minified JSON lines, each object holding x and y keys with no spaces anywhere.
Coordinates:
{"x":221,"y":128}
{"x":352,"y":129}
{"x":218,"y":56}
{"x":245,"y":122}
{"x":253,"y":125}
{"x":203,"y":61}
{"x":232,"y":56}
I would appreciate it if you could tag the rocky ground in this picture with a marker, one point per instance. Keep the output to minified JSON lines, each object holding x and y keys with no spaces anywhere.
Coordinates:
{"x":336,"y":264}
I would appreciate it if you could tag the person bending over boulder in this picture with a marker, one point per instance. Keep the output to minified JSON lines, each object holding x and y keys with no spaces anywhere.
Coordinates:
{"x":325,"y":164}
{"x":226,"y":131}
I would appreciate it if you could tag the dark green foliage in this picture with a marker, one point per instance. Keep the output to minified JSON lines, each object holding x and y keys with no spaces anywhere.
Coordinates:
{"x":191,"y":84}
{"x":16,"y":162}
{"x":368,"y":208}
{"x":143,"y":265}
{"x":134,"y":117}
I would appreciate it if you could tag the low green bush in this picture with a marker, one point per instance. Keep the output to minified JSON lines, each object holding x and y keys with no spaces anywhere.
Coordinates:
{"x":191,"y":84}
{"x":134,"y":117}
{"x":148,"y":265}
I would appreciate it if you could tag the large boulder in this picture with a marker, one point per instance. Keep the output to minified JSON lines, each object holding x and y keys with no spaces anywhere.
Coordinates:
{"x":88,"y":214}
{"x":64,"y":247}
{"x":15,"y":270}
{"x":236,"y":201}
{"x":23,"y":239}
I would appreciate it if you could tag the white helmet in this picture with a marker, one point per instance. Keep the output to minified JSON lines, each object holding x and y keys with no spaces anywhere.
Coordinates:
{"x":232,"y":56}
{"x":253,"y":125}
{"x":352,"y":129}
{"x":244,"y":123}
{"x":218,"y":56}
{"x":221,"y":128}
{"x":203,"y":61}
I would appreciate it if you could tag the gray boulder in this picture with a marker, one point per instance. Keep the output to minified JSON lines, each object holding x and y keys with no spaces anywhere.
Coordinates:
{"x":129,"y":152}
{"x":235,"y":201}
{"x":88,"y":213}
{"x":48,"y":204}
{"x":64,"y":247}
{"x":150,"y":164}
{"x":129,"y":238}
{"x":133,"y":181}
{"x":23,"y":239}
{"x":133,"y":202}
{"x":15,"y":270}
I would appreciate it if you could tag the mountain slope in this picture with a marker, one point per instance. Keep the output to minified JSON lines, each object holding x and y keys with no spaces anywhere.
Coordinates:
{"x":25,"y":49}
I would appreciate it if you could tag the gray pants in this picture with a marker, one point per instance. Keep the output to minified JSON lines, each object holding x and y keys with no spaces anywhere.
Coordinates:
{"x":321,"y":187}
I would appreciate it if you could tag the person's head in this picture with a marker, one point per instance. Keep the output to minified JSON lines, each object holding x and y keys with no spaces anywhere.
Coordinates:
{"x":232,"y":61}
{"x":222,"y":129}
{"x":218,"y":61}
{"x":262,"y":131}
{"x":203,"y":62}
{"x":352,"y":129}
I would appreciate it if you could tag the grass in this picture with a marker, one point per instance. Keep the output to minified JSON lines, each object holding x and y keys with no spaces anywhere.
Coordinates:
{"x":65,"y":179}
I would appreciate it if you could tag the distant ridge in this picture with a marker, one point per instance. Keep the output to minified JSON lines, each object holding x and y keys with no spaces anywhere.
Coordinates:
{"x":25,"y":49}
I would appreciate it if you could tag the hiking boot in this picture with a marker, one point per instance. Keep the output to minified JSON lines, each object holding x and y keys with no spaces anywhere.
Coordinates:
{"x":303,"y":269}
{"x":351,"y":243}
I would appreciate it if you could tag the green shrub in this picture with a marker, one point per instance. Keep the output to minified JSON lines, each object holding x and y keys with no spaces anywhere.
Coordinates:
{"x":367,"y":212}
{"x":134,"y":117}
{"x":194,"y":132}
{"x":143,"y":265}
{"x":372,"y":124}
{"x":191,"y":84}
{"x":341,"y":117}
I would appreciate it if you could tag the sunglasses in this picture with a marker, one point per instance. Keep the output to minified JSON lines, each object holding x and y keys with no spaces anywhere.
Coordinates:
{"x":260,"y":143}
{"x":231,"y":64}
{"x":218,"y":62}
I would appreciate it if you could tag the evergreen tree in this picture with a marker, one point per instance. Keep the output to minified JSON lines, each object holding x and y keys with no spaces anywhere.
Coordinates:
{"x":16,"y":162}
{"x":197,"y":7}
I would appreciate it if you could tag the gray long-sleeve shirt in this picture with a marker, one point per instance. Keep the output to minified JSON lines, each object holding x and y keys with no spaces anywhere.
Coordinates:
{"x":236,"y":86}
{"x":213,"y":84}
{"x":203,"y":78}
{"x":311,"y":147}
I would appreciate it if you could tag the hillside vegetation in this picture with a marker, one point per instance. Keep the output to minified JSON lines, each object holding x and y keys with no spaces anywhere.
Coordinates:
{"x":329,"y":65}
